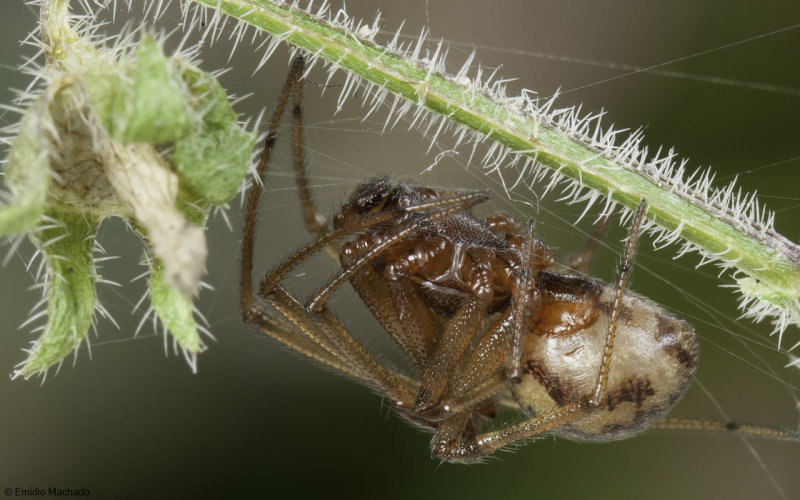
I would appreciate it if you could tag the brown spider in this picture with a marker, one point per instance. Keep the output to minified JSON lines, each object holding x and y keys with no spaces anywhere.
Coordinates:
{"x":582,"y":359}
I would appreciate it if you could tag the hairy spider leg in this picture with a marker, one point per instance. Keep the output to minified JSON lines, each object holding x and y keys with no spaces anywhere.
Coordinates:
{"x":319,"y":323}
{"x":331,"y":345}
{"x":397,"y":307}
{"x":298,"y":337}
{"x":251,"y":213}
{"x":525,"y":301}
{"x":480,"y":380}
{"x":622,"y":284}
{"x":397,"y":304}
{"x":477,"y":383}
{"x":419,"y":331}
{"x":759,"y":431}
{"x":316,"y":223}
{"x":458,"y":333}
{"x":500,"y":346}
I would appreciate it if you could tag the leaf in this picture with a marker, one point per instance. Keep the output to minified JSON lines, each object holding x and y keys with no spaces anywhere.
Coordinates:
{"x":70,"y":289}
{"x":141,"y":103}
{"x":214,"y":160}
{"x":174,"y":310}
{"x":27,"y":174}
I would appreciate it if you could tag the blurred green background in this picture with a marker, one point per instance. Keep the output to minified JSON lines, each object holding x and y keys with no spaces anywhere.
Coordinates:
{"x":259,"y":421}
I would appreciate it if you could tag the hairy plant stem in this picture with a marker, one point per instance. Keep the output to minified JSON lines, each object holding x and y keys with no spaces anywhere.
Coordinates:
{"x":770,"y":262}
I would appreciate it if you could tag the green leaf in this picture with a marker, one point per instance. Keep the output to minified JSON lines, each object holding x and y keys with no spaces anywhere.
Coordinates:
{"x":214,"y":160}
{"x":174,"y":310}
{"x":67,"y":246}
{"x":27,"y":174}
{"x":144,"y":103}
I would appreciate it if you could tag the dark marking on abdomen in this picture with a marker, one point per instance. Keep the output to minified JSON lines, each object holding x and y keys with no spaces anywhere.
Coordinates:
{"x":667,"y":337}
{"x":557,"y":391}
{"x":634,"y":390}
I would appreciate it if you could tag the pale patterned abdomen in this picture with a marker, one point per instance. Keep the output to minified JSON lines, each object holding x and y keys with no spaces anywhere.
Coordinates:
{"x":654,"y":359}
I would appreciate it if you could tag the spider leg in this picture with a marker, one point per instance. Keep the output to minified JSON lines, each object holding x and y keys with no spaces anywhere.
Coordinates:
{"x":316,"y":223}
{"x":294,"y":311}
{"x":452,"y":443}
{"x":421,"y":329}
{"x":598,"y":399}
{"x":340,"y":349}
{"x":329,"y":333}
{"x":457,"y":335}
{"x":319,"y":325}
{"x":321,"y":338}
{"x":326,"y":340}
{"x":400,"y":311}
{"x":582,"y":260}
{"x":251,"y":214}
{"x":502,"y":343}
{"x":458,"y":332}
{"x":481,"y":378}
{"x":301,"y":338}
{"x":273,"y":278}
{"x":525,"y":301}
{"x":759,"y":431}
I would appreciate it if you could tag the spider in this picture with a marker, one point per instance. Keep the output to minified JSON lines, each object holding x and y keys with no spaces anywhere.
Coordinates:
{"x":484,"y":313}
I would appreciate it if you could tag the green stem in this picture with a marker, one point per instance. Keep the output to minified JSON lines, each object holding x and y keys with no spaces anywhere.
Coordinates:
{"x":770,"y":261}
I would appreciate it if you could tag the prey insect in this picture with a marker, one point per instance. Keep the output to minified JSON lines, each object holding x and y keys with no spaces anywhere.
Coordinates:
{"x":483,"y":312}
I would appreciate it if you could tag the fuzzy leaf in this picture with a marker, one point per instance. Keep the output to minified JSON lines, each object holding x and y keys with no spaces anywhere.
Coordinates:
{"x":174,"y":310}
{"x":70,"y":290}
{"x":27,"y":175}
{"x":144,"y":103}
{"x":214,"y":160}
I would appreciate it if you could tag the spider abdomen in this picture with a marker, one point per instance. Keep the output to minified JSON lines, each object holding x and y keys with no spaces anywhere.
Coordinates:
{"x":655,"y":356}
